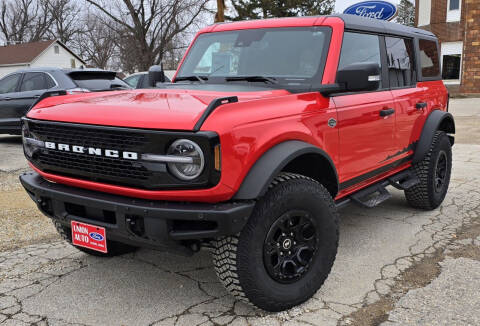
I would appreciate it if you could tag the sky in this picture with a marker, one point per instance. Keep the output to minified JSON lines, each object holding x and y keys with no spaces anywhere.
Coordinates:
{"x":341,"y":5}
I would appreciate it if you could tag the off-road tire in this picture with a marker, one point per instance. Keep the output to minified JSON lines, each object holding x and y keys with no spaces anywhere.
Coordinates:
{"x":114,"y":248}
{"x":238,"y":260}
{"x":423,"y":195}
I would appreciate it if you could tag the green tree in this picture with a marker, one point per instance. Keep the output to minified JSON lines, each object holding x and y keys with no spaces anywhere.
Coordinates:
{"x":406,"y":13}
{"x":258,"y":9}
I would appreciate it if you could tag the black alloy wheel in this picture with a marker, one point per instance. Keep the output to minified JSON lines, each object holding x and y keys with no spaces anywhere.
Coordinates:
{"x":290,"y":245}
{"x":441,"y":168}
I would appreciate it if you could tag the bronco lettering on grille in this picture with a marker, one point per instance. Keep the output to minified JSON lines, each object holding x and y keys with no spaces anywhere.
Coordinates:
{"x":92,"y":151}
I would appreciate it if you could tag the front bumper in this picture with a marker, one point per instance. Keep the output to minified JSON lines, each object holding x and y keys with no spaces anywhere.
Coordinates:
{"x":139,"y":222}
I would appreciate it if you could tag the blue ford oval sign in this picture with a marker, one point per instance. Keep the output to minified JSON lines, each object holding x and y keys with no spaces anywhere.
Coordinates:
{"x":96,"y":236}
{"x":373,"y":9}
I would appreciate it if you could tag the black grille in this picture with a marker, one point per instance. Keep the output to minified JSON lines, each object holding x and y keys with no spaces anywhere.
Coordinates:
{"x":117,"y":171}
{"x":96,"y":165}
{"x":112,"y":139}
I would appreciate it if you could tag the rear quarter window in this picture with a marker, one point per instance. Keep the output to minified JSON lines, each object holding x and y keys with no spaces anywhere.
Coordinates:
{"x":429,"y":61}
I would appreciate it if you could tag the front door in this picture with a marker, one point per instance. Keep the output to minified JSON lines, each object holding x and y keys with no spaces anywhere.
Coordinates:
{"x":8,"y":104}
{"x":366,"y":120}
{"x":33,"y":85}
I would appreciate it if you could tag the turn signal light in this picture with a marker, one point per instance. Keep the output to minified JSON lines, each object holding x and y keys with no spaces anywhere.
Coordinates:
{"x":218,"y":162}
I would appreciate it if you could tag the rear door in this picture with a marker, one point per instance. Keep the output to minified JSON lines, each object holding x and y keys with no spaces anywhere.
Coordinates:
{"x":8,"y":104}
{"x":33,"y":85}
{"x":367,"y":138}
{"x":409,"y":98}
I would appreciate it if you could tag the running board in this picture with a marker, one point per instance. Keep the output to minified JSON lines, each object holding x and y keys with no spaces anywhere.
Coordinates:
{"x":377,"y":193}
{"x":372,"y":196}
{"x":404,"y":180}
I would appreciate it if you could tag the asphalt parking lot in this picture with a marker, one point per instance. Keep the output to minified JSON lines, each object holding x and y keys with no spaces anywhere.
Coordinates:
{"x":395,"y":266}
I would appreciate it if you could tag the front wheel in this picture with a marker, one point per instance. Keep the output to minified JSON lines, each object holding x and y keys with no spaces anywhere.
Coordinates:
{"x":434,"y":174}
{"x":287,"y":249}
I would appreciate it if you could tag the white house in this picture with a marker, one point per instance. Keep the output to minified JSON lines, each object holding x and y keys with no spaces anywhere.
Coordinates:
{"x":51,"y":53}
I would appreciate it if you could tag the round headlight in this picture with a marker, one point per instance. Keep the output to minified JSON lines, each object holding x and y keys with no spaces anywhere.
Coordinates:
{"x":188,"y":149}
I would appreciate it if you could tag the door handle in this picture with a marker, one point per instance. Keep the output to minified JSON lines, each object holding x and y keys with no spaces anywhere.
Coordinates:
{"x":387,"y":112}
{"x":7,"y":98}
{"x":36,"y":96}
{"x":421,"y":105}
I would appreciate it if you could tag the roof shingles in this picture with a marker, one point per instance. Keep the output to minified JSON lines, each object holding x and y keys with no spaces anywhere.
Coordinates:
{"x":22,"y":53}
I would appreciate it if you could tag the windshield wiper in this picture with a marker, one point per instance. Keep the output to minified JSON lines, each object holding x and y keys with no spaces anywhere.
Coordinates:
{"x":201,"y":79}
{"x":270,"y":80}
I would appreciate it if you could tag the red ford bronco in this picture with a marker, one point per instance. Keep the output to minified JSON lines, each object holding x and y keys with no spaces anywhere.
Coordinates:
{"x":268,"y":128}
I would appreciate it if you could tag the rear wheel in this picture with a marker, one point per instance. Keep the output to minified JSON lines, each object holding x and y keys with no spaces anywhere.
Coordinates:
{"x":114,"y":248}
{"x":434,"y":174}
{"x":287,"y":249}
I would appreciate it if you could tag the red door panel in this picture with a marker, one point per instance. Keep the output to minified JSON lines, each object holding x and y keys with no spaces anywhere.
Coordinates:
{"x":366,"y":138}
{"x":410,"y":120}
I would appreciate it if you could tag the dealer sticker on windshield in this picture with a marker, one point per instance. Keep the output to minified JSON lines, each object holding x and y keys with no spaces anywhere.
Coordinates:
{"x":89,"y":236}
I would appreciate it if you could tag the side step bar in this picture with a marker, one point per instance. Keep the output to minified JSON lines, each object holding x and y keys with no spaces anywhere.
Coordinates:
{"x":404,"y":180}
{"x":372,"y":196}
{"x":377,"y":193}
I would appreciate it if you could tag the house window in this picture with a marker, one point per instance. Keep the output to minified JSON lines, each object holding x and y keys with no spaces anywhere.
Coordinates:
{"x":454,"y":10}
{"x":451,"y":66}
{"x":56,"y":49}
{"x":452,"y":61}
{"x":454,"y":5}
{"x":72,"y":63}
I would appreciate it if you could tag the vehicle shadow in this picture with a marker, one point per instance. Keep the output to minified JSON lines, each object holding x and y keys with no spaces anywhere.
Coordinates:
{"x":10,"y":139}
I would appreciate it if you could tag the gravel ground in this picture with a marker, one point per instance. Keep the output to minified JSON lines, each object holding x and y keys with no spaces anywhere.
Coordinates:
{"x":395,"y":265}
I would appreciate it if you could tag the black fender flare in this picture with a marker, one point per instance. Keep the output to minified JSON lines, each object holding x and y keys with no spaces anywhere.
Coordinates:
{"x":271,"y":163}
{"x":434,"y":122}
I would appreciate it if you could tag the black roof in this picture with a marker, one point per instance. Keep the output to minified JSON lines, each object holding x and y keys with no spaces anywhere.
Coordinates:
{"x":380,"y":26}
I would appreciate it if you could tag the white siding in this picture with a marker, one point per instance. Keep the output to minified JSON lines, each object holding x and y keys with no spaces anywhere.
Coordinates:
{"x":5,"y":70}
{"x":51,"y":59}
{"x":424,"y":11}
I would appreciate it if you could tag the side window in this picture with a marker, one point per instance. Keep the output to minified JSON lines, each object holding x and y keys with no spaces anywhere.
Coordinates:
{"x":359,"y":48}
{"x":429,"y":58}
{"x":9,"y":84}
{"x":49,"y":81}
{"x":33,"y":81}
{"x":133,"y":80}
{"x":401,"y":63}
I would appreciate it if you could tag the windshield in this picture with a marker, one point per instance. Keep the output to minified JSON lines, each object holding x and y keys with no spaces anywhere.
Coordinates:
{"x":287,"y":55}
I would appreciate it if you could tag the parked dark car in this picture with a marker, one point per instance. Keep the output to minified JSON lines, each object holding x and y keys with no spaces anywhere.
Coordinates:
{"x":140,"y":80}
{"x":19,"y":90}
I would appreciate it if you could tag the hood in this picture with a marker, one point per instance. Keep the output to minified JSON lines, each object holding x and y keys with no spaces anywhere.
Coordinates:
{"x":174,"y":109}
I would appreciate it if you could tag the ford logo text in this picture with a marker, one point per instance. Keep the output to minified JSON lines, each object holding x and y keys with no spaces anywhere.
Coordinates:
{"x":373,"y":9}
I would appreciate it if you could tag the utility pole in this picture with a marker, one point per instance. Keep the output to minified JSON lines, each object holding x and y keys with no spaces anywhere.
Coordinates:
{"x":220,"y":16}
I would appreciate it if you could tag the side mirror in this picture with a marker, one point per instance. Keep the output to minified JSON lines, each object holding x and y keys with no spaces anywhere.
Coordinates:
{"x":360,"y":77}
{"x":155,"y":75}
